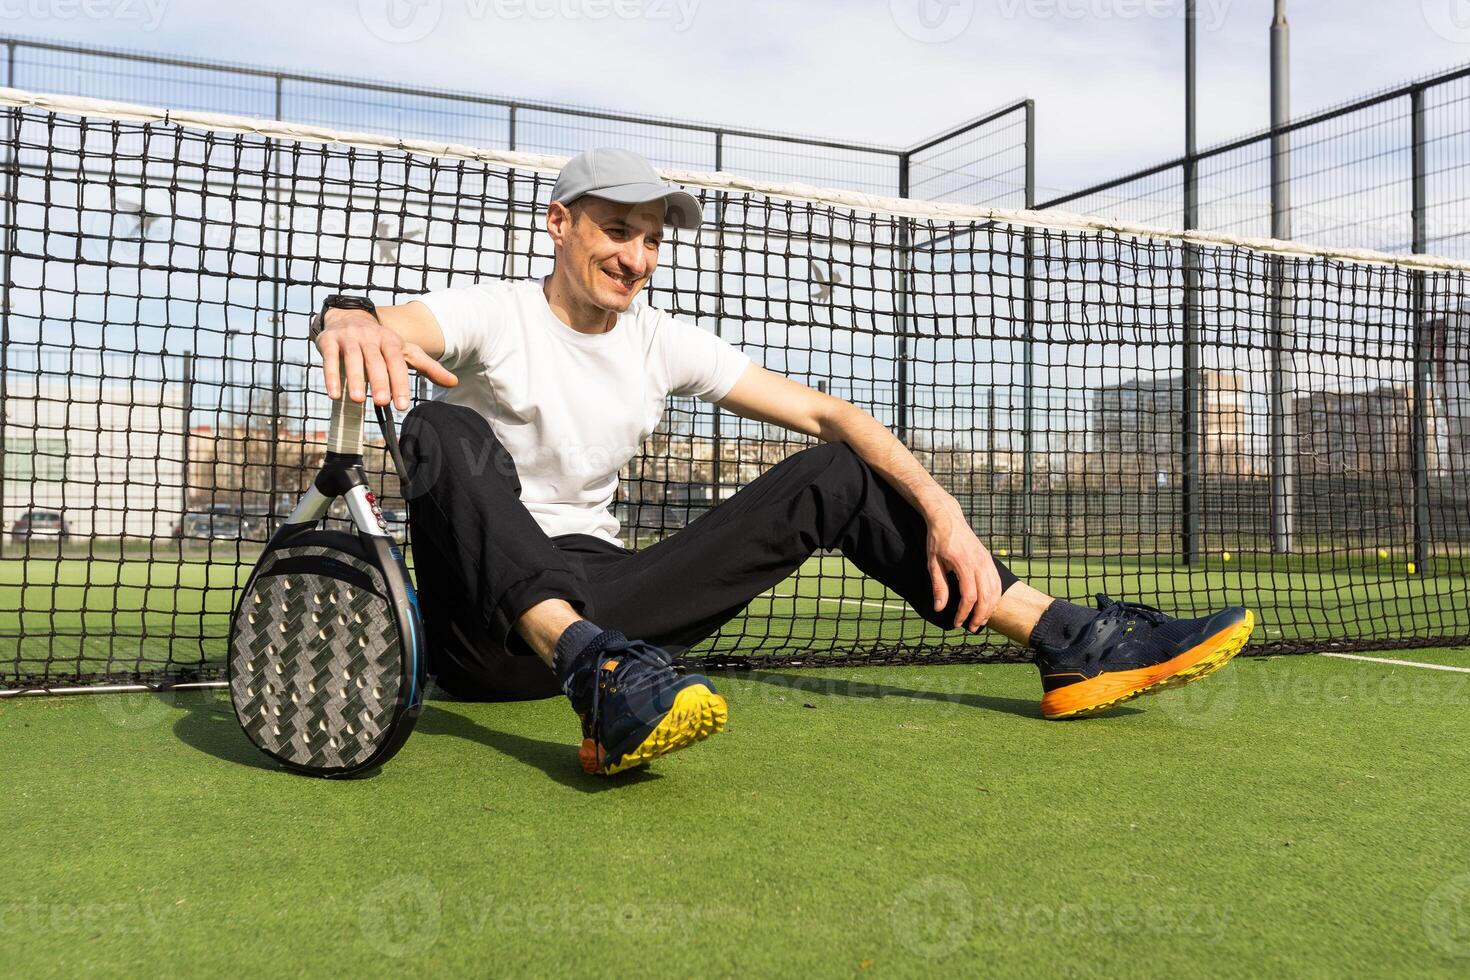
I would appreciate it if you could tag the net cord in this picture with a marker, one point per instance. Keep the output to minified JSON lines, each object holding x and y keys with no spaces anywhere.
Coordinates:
{"x":725,"y":182}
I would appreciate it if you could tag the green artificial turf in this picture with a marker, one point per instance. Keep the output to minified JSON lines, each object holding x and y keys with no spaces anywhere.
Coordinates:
{"x":134,"y":618}
{"x":1290,"y":816}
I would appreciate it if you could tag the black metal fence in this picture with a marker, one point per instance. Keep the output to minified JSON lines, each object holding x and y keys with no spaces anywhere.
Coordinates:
{"x":985,"y":160}
{"x":1389,"y":172}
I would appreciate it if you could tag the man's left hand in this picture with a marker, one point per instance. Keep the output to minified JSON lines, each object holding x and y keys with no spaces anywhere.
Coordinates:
{"x":954,"y":548}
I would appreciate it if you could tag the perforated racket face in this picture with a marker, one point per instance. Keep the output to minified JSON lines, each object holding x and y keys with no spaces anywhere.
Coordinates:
{"x":316,"y":660}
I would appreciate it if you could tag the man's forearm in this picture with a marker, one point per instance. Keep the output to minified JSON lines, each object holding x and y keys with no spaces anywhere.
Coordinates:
{"x":878,"y":447}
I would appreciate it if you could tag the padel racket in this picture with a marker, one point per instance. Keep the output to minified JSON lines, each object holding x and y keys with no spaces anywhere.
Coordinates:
{"x":326,"y":657}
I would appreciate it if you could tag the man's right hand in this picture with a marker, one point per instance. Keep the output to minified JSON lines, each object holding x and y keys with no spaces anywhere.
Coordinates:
{"x":356,"y":349}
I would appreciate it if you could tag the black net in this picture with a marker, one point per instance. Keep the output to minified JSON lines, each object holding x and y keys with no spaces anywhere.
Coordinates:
{"x":1184,"y":425}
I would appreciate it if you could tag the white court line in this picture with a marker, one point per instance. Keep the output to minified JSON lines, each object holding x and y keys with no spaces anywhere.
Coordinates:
{"x":1341,"y":656}
{"x":837,"y":599}
{"x":1397,"y":663}
{"x":114,"y":689}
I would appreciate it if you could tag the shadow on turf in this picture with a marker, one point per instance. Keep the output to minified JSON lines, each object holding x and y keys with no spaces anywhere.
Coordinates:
{"x":210,"y":726}
{"x":557,"y":759}
{"x":842,"y":686}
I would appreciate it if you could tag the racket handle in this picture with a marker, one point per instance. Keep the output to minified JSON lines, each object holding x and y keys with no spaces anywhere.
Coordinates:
{"x":345,"y":433}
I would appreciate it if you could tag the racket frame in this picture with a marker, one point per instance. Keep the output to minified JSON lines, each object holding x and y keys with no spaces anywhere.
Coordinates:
{"x":343,"y":475}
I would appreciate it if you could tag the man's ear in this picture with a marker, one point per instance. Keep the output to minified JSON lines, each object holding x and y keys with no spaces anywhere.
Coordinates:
{"x":558,"y":222}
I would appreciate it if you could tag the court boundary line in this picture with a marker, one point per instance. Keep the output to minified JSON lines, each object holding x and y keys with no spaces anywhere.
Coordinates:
{"x":216,"y":685}
{"x":840,"y":600}
{"x":1389,"y":661}
{"x":113,"y":689}
{"x":1395,"y":662}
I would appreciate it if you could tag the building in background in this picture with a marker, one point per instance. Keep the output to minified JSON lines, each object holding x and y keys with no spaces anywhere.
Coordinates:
{"x":1360,"y":433}
{"x":1138,"y":426}
{"x":109,"y":456}
{"x":1450,"y":346}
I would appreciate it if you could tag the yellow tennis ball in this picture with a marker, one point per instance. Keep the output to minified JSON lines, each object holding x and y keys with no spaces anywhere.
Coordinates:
{"x":1225,"y":555}
{"x":1382,"y":552}
{"x":1411,"y":568}
{"x":1002,"y":552}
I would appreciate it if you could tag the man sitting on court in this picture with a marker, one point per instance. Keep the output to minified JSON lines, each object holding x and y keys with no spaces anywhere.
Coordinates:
{"x":547,"y":388}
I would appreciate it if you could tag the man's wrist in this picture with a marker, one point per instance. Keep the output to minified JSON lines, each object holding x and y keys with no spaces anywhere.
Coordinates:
{"x":345,"y":304}
{"x":935,"y":501}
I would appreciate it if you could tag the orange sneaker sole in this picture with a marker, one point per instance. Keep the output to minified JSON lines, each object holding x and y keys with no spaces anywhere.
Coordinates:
{"x":1098,"y":694}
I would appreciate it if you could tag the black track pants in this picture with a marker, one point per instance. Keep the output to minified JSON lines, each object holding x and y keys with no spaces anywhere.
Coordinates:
{"x":481,"y":560}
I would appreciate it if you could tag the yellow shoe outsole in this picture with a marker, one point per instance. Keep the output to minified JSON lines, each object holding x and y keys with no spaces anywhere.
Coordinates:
{"x":697,"y":714}
{"x":1105,"y":691}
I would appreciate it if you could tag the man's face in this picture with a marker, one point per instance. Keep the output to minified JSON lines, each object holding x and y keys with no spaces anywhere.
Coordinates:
{"x":607,"y":250}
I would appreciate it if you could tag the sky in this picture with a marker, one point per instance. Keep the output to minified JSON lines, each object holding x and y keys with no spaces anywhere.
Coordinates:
{"x":1106,"y":74}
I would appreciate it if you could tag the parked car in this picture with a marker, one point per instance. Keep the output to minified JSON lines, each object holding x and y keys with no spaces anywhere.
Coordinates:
{"x":214,"y":527}
{"x":47,"y":524}
{"x":255,"y":520}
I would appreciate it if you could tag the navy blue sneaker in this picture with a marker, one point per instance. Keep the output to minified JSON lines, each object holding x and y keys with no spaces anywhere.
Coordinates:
{"x":634,"y":707}
{"x":1131,"y":649}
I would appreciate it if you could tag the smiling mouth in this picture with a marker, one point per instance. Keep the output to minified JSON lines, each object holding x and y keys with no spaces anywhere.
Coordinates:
{"x":624,"y":283}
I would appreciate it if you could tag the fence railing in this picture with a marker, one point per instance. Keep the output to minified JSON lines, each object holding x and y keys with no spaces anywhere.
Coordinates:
{"x":1353,"y":176}
{"x":986,"y":160}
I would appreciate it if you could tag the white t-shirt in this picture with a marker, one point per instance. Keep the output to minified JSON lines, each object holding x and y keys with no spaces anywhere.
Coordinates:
{"x":571,"y":408}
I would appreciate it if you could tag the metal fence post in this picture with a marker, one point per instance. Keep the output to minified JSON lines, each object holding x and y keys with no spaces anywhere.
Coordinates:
{"x":1282,"y":440}
{"x":187,"y":404}
{"x":510,"y":200}
{"x":1192,"y":407}
{"x":716,"y":443}
{"x":277,"y":320}
{"x":7,"y":248}
{"x":901,"y":396}
{"x":1030,"y":175}
{"x":1028,"y":355}
{"x":1423,"y":356}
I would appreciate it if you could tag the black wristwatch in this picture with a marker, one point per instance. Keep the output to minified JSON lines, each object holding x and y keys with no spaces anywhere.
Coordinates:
{"x":338,"y":302}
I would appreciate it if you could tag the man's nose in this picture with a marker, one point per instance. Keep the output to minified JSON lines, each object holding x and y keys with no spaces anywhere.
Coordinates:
{"x":635,"y":258}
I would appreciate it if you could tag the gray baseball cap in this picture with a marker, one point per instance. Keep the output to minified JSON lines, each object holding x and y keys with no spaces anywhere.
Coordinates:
{"x":626,"y":178}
